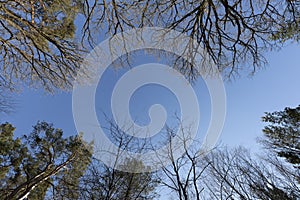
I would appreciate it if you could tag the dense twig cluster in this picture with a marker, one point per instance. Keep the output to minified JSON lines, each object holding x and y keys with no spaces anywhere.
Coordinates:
{"x":234,"y":33}
{"x":37,"y":44}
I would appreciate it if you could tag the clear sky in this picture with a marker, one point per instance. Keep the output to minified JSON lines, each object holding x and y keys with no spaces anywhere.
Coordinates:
{"x":272,"y":88}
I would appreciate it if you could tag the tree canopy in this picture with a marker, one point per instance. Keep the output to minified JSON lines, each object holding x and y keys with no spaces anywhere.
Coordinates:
{"x":46,"y":165}
{"x":41,"y":161}
{"x":39,"y":45}
{"x":234,"y":33}
{"x":282,"y":134}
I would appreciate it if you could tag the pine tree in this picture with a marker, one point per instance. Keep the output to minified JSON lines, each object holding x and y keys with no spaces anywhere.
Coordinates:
{"x":282,"y":134}
{"x":37,"y":43}
{"x":40,"y":162}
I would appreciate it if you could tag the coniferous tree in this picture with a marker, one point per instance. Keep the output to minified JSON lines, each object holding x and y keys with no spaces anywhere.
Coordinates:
{"x":282,"y":134}
{"x":37,"y":43}
{"x":41,"y":164}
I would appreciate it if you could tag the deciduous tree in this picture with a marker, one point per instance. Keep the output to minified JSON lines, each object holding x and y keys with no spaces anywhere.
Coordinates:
{"x":233,"y":33}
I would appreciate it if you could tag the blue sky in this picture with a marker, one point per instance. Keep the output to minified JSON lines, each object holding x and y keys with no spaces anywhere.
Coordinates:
{"x":272,"y":88}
